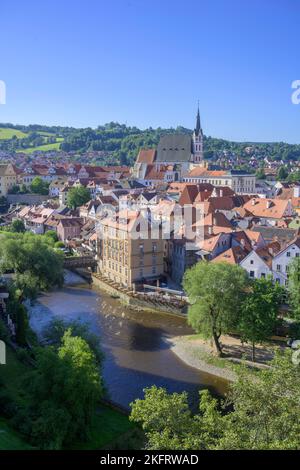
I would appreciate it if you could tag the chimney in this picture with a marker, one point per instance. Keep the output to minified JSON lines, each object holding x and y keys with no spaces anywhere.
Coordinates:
{"x":269,"y":204}
{"x":253,"y":202}
{"x":243,"y":243}
{"x":210,"y":230}
{"x":221,"y":192}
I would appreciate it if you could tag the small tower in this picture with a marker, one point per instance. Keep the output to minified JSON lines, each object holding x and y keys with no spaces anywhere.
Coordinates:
{"x":197,"y":139}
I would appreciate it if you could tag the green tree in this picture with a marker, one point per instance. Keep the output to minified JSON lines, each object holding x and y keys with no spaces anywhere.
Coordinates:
{"x":77,"y":196}
{"x":38,"y":186}
{"x":259,"y":311}
{"x":37,"y":266}
{"x":260,"y":174}
{"x":64,"y":391}
{"x":18,"y":226}
{"x":294,"y":287}
{"x":266,"y":409}
{"x":282,"y":173}
{"x":52,"y":235}
{"x":169,"y":424}
{"x":215,"y":291}
{"x":262,"y":412}
{"x":55,"y":330}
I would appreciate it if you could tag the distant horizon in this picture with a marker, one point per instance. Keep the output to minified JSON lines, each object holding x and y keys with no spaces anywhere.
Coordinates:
{"x":150,"y":127}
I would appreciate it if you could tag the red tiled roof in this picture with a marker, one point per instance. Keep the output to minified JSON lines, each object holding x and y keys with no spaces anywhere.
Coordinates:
{"x":146,"y":156}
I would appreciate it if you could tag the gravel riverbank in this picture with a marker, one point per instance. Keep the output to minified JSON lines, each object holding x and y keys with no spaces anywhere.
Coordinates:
{"x":193,"y":354}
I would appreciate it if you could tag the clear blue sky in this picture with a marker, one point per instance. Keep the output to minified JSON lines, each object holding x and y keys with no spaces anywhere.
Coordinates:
{"x":147,"y":62}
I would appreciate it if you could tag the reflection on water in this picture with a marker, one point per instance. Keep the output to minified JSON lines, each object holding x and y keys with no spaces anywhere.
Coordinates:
{"x":136,"y":344}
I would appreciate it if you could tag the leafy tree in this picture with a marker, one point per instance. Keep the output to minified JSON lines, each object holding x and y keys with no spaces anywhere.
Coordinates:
{"x":216,"y":291}
{"x":266,"y":409}
{"x":294,"y":287}
{"x":18,"y":226}
{"x":77,"y":196}
{"x":262,"y":413}
{"x":52,"y":235}
{"x":37,"y":266}
{"x":54,"y":332}
{"x":59,"y":244}
{"x":38,"y":186}
{"x":260,"y":174}
{"x":169,"y":424}
{"x":282,"y":173}
{"x":259,"y":311}
{"x":63,"y":390}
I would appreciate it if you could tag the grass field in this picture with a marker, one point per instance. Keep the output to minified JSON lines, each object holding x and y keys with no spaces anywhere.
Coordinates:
{"x":8,"y":133}
{"x":43,"y":148}
{"x":12,"y":375}
{"x":109,"y":425}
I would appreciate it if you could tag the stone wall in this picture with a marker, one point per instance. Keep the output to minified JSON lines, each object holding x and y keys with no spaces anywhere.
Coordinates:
{"x":134,"y":302}
{"x":28,"y":199}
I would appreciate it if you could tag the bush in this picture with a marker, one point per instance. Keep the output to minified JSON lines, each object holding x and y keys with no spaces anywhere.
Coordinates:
{"x":7,"y":405}
{"x":4,"y":333}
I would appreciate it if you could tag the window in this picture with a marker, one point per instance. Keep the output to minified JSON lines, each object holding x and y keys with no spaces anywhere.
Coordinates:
{"x":252,"y":262}
{"x":288,"y":254}
{"x":278,"y":267}
{"x":251,"y":273}
{"x":262,"y":275}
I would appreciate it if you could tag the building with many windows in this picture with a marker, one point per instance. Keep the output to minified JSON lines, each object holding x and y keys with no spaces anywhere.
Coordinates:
{"x":129,"y":252}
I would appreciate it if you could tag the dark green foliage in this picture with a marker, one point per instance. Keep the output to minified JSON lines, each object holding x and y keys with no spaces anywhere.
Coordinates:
{"x":17,"y":226}
{"x":294,"y":287}
{"x":63,"y":391}
{"x":262,"y":413}
{"x":77,"y":196}
{"x":38,"y":186}
{"x":54,"y":332}
{"x":216,"y":292}
{"x":259,"y":311}
{"x":31,"y":257}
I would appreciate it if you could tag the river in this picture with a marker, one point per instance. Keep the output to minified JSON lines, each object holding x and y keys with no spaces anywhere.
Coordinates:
{"x":136,"y":344}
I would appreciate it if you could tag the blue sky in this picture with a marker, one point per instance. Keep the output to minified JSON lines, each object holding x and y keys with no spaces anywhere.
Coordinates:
{"x":148,"y":62}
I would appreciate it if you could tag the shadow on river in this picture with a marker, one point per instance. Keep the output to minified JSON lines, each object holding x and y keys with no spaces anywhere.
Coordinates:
{"x":136,"y":344}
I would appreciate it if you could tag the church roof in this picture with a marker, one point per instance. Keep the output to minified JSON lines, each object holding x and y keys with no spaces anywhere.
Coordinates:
{"x":174,"y":148}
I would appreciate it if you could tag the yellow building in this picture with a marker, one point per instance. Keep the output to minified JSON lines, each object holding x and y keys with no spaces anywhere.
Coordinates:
{"x":8,"y":178}
{"x":129,"y":252}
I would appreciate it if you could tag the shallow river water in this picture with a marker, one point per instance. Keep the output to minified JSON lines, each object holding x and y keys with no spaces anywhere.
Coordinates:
{"x":136,"y":344}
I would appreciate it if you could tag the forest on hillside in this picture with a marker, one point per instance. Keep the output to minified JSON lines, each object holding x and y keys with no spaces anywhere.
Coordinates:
{"x":121,"y":143}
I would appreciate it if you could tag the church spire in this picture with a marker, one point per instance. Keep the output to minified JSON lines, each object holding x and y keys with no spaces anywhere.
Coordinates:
{"x":198,"y":124}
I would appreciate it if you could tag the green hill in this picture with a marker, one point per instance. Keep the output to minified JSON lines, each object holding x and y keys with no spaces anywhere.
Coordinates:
{"x":120,"y":144}
{"x":7,"y":133}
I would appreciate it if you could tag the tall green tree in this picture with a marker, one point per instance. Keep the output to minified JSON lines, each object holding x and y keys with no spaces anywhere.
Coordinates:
{"x":262,"y":413}
{"x":36,"y":265}
{"x":64,"y":390}
{"x":38,"y":186}
{"x":259,"y":311}
{"x":216,"y":292}
{"x":294,"y":287}
{"x":168,"y":422}
{"x":77,"y":196}
{"x":18,"y":226}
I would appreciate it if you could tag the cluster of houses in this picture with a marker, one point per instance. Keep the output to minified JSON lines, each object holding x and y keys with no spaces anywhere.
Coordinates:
{"x":148,"y":224}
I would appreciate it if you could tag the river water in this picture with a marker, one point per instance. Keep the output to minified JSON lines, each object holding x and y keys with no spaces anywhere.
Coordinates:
{"x":136,"y":344}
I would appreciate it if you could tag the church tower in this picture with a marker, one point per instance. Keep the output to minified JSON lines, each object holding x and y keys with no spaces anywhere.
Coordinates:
{"x":197,"y":140}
